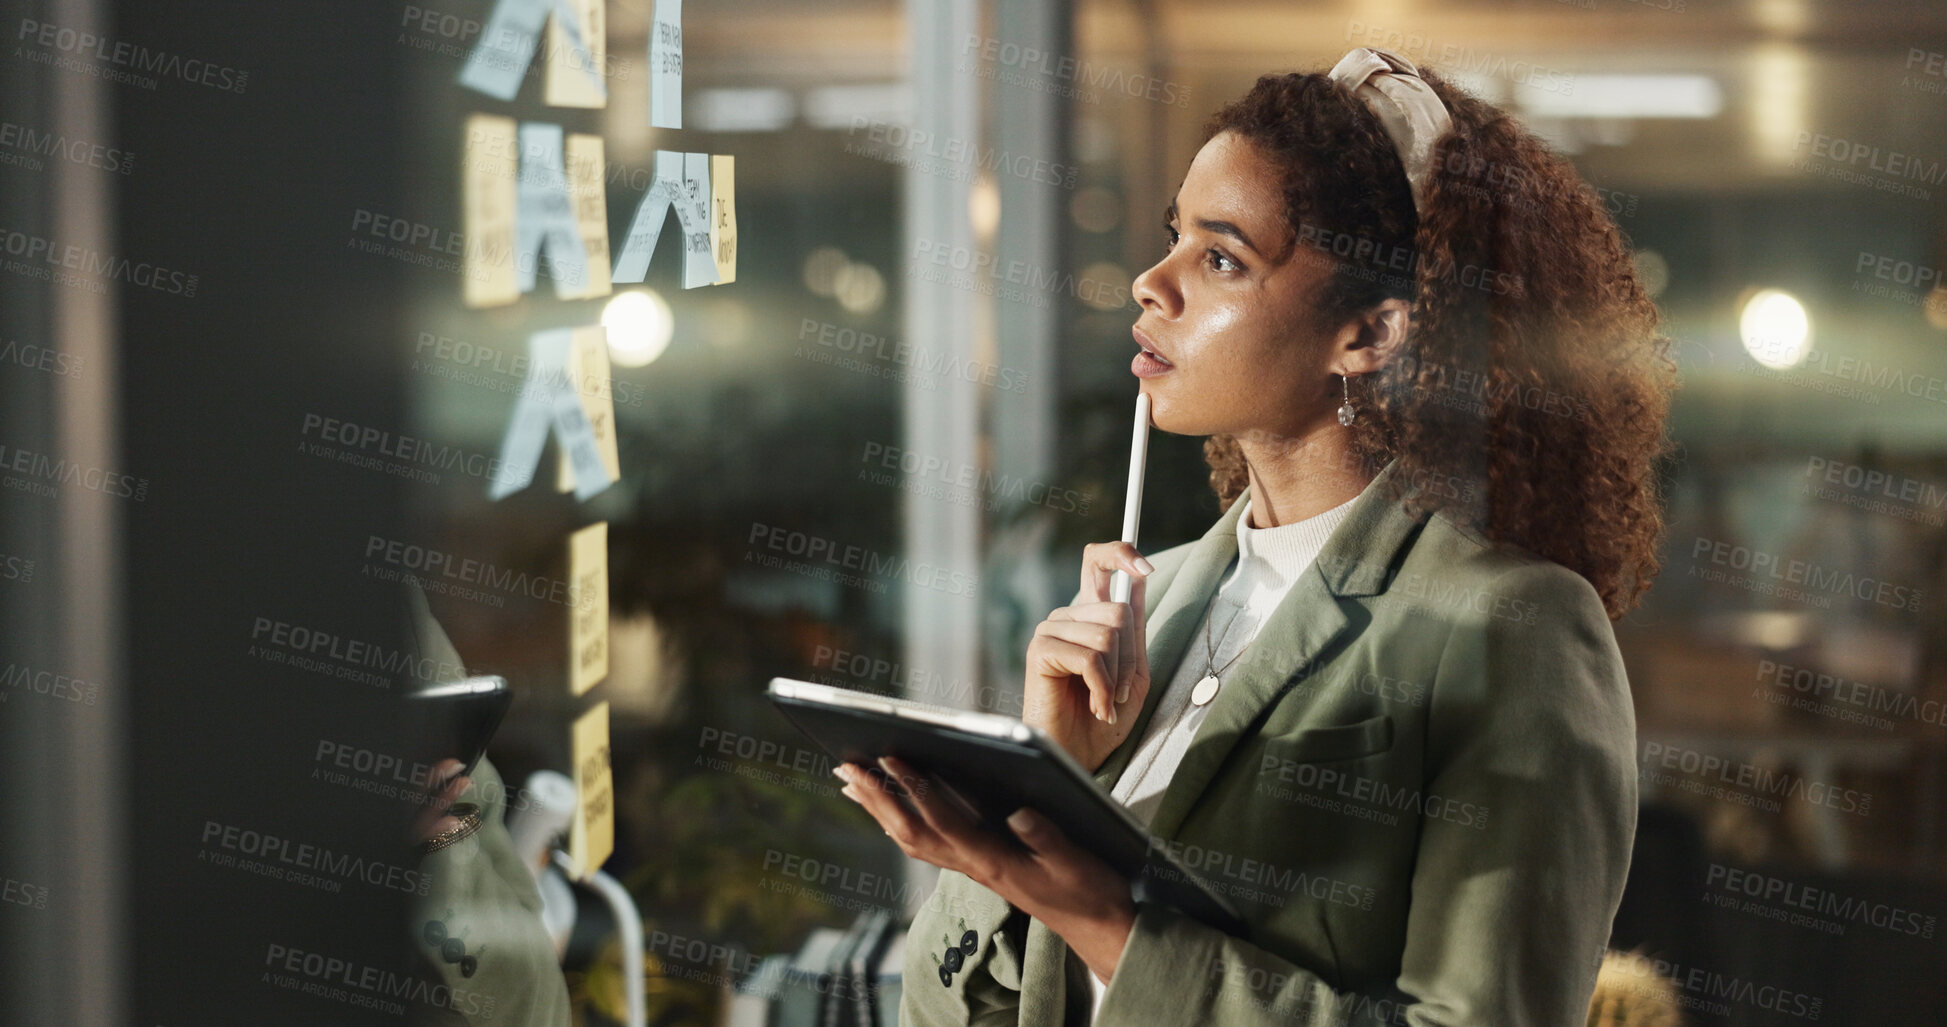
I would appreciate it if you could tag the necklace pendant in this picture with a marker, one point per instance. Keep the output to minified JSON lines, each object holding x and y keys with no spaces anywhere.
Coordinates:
{"x":1205,"y":690}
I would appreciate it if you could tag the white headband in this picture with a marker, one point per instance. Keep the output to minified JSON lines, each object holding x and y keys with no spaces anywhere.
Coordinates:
{"x":1408,"y":108}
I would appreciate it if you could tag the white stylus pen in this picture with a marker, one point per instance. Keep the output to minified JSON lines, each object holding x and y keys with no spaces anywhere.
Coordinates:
{"x":1132,"y":507}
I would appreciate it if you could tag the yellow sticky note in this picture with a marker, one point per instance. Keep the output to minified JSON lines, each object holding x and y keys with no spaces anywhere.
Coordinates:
{"x":588,"y":607}
{"x":489,"y":172}
{"x":588,"y":371}
{"x":586,"y":174}
{"x":592,"y":836}
{"x":723,"y":215}
{"x":574,"y":79}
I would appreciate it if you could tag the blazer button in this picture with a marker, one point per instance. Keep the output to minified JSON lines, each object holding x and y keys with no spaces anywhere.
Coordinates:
{"x":468,"y":965}
{"x":453,"y":950}
{"x":434,"y":932}
{"x":946,"y":976}
{"x":953,"y":960}
{"x":969,"y":942}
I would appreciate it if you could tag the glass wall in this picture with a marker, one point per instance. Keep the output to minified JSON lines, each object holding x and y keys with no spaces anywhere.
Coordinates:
{"x":871,"y":460}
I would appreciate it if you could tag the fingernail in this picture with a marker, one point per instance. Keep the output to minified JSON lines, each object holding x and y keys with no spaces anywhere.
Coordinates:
{"x":1122,"y":695}
{"x":1145,"y":566}
{"x":843,"y":772}
{"x":849,"y":793}
{"x":1020,"y":819}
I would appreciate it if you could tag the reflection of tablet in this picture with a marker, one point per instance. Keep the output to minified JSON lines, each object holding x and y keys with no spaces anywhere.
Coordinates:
{"x":457,"y":718}
{"x":998,"y":764}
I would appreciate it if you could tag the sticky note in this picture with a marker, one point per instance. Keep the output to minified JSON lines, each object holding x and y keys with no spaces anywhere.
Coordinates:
{"x":693,"y":210}
{"x":577,"y":437}
{"x":682,"y":182}
{"x":549,"y":400}
{"x":723,"y":216}
{"x":545,"y":215}
{"x":588,"y":371}
{"x":666,"y":65}
{"x":588,"y":607}
{"x":577,"y":59}
{"x":586,"y":171}
{"x":533,"y":416}
{"x":592,"y":835}
{"x":499,"y":60}
{"x":489,"y":170}
{"x":632,"y":264}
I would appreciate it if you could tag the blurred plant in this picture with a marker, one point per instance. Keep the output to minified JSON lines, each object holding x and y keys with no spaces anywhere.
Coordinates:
{"x":716,"y":832}
{"x":669,"y":999}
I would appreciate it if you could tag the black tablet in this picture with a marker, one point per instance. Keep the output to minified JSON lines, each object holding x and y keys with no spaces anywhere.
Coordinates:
{"x":997,"y":765}
{"x":457,"y":718}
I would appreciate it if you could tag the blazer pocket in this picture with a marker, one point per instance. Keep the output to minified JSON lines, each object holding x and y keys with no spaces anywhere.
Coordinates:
{"x":1338,"y":742}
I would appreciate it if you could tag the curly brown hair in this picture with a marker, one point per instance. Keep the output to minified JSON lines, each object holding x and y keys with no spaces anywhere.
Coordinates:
{"x":1530,"y":397}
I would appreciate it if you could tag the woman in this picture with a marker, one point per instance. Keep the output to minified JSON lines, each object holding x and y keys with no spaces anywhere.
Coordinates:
{"x":477,"y":926}
{"x":1392,"y":721}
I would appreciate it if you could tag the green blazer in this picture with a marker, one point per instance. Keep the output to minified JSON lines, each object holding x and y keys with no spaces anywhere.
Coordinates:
{"x":1418,"y":787}
{"x":479,"y":891}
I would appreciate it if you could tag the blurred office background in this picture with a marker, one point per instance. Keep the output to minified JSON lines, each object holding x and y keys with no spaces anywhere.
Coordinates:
{"x":941,"y":206}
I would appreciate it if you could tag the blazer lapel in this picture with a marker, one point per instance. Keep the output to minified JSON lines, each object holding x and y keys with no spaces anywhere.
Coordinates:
{"x":1173,"y":609}
{"x":1355,"y":561}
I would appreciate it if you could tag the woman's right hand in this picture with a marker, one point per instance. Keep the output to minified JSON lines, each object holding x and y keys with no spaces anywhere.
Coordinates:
{"x":444,"y":786}
{"x":1088,"y":664}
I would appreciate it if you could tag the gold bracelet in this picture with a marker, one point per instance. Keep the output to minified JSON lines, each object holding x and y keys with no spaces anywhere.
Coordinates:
{"x":469,"y":816}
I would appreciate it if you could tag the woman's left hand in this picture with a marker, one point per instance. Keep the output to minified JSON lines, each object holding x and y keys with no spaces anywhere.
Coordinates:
{"x":1050,"y":878}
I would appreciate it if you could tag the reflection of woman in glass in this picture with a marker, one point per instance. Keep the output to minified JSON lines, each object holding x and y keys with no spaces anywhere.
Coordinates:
{"x":1390,"y":719}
